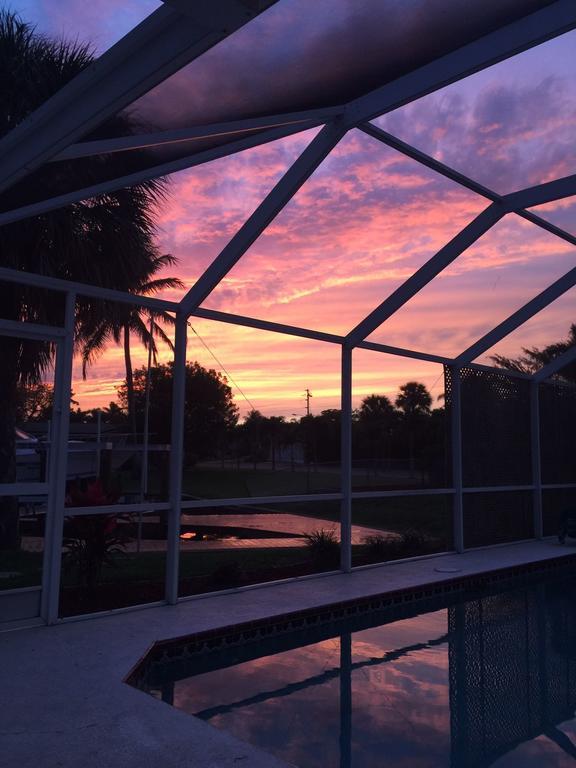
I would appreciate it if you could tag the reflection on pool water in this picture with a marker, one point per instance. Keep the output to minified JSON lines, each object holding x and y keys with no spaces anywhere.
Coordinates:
{"x":489,"y":680}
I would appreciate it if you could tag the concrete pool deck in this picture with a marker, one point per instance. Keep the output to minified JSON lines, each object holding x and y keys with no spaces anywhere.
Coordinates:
{"x":64,"y":704}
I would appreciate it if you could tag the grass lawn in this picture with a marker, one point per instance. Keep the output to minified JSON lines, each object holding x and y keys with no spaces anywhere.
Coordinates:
{"x":433,"y":514}
{"x":214,"y":483}
{"x":150,"y":566}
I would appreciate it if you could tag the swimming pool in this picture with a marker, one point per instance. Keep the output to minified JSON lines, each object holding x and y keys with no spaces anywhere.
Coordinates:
{"x":461,"y":679}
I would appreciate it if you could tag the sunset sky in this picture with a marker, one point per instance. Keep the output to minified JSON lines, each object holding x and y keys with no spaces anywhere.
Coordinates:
{"x":361,"y":225}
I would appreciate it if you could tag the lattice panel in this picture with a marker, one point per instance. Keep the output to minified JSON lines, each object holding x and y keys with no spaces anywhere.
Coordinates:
{"x":495,"y":427}
{"x":557,"y":430}
{"x":512,"y":669}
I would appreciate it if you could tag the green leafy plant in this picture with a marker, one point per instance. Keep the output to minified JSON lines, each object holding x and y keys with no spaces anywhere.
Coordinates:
{"x":407,"y":543}
{"x":324,"y":546}
{"x":93,"y":541}
{"x":413,"y":541}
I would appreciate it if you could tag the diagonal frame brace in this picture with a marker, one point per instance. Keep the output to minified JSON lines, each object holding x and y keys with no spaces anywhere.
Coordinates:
{"x":518,"y":318}
{"x":159,"y":46}
{"x":541,"y":194}
{"x":163,"y":169}
{"x":269,"y":208}
{"x":306,"y":119}
{"x":450,"y":173}
{"x":533,"y":29}
{"x":567,"y":357}
{"x":463,"y":240}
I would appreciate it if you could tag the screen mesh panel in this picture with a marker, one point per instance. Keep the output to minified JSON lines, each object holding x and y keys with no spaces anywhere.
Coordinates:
{"x":496,"y":518}
{"x":495,"y":427}
{"x":557,"y":424}
{"x":555,"y":503}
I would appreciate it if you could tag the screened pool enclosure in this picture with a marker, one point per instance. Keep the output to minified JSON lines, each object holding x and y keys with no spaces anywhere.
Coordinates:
{"x":216,"y":79}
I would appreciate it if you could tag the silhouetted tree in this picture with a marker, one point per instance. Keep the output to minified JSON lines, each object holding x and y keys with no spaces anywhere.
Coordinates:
{"x":252,"y":437}
{"x":532,"y":359}
{"x":376,"y":419}
{"x":34,"y":402}
{"x":323,"y":433}
{"x":414,"y":401}
{"x":275,"y":433}
{"x":106,"y":240}
{"x":118,"y":321}
{"x":209,"y":415}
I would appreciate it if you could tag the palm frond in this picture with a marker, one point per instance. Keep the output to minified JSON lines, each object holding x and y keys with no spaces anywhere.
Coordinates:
{"x":95,"y":345}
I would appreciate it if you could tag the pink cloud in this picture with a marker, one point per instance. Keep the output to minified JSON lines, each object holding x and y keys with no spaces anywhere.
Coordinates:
{"x":364,"y":222}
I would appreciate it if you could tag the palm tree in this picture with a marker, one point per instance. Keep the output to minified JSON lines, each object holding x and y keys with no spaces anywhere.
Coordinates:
{"x":376,"y":418}
{"x":414,"y":401}
{"x":106,"y":241}
{"x":118,"y":321}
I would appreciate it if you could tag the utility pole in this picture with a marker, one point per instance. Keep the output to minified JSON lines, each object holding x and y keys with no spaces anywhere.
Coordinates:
{"x":307,"y":395}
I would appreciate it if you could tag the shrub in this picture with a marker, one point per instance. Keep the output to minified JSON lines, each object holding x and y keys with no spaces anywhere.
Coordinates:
{"x":324,"y":546}
{"x":92,"y":541}
{"x":413,"y":541}
{"x":380,"y":547}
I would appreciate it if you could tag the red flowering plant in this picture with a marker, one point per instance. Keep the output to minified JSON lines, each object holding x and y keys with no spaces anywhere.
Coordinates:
{"x":92,"y":541}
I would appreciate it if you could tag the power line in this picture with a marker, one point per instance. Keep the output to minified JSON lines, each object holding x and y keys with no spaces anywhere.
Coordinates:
{"x":221,"y":366}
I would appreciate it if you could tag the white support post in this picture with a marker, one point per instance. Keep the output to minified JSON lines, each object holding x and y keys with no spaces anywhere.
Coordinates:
{"x":345,"y":699}
{"x":52,"y":564}
{"x":456,"y":439}
{"x":146,"y":439}
{"x":536,"y":459}
{"x":176,"y":460}
{"x":346,"y":462}
{"x":98,"y":442}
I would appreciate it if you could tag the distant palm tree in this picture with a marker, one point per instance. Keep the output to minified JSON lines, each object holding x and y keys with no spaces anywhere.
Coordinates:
{"x":106,"y":241}
{"x":118,"y":321}
{"x":377,"y":418}
{"x":414,"y":401}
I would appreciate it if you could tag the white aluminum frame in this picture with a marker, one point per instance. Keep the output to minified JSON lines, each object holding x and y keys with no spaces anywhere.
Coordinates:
{"x":161,"y":45}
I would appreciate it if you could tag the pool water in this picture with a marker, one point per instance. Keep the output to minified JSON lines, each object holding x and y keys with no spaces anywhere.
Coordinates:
{"x":483,"y":680}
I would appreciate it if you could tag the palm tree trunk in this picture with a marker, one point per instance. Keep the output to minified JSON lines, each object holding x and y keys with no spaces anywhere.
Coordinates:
{"x":129,"y":382}
{"x":9,"y":522}
{"x":411,"y":450}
